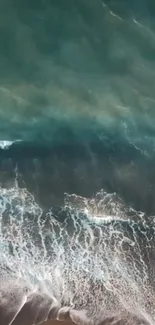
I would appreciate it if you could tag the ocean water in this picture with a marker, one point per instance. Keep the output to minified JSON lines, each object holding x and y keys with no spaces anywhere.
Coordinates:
{"x":77,"y":151}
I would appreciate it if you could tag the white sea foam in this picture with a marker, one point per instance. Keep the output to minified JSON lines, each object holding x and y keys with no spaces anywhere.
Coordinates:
{"x":80,"y":261}
{"x":5,"y":144}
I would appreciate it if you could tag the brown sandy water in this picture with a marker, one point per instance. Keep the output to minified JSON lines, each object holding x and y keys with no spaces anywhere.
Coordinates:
{"x":56,"y":322}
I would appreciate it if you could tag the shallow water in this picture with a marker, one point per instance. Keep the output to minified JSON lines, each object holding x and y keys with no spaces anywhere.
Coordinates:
{"x":77,"y":139}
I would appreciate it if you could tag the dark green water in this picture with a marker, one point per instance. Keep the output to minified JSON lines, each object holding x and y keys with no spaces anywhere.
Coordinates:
{"x":77,"y":87}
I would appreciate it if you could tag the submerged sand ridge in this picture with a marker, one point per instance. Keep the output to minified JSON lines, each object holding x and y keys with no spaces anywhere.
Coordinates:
{"x":19,"y":305}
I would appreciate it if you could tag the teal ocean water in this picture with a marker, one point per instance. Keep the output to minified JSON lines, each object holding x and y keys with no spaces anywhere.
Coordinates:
{"x":77,"y":150}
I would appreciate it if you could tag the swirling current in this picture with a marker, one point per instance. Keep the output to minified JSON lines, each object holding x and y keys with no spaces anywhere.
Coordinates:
{"x":77,"y":157}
